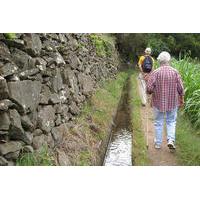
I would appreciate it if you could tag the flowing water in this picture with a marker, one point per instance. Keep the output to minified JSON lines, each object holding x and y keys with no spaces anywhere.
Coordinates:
{"x":119,"y":152}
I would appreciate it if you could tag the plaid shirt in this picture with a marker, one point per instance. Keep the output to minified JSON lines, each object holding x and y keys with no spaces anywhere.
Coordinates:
{"x":165,"y":85}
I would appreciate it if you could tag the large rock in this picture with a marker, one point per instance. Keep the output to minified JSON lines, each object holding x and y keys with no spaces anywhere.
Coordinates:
{"x":46,"y":117}
{"x":16,"y":130}
{"x":21,"y":59}
{"x":7,"y":69}
{"x":57,"y":83}
{"x":86,"y":84}
{"x":26,"y":94}
{"x":4,"y":121}
{"x":4,"y":93}
{"x":10,"y":147}
{"x":58,"y":133}
{"x":70,"y":79}
{"x":33,"y":44}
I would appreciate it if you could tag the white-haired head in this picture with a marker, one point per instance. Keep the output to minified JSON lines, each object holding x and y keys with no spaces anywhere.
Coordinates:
{"x":148,"y":50}
{"x":164,"y":57}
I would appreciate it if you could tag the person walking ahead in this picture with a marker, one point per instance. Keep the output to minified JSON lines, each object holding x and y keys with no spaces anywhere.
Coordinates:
{"x":145,"y":65}
{"x":166,"y":86}
{"x":146,"y":62}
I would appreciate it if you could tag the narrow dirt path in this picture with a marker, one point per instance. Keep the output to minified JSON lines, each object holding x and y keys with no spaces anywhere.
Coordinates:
{"x":157,"y":157}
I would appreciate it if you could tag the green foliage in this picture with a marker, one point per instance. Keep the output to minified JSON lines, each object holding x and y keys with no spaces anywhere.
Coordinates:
{"x":41,"y":158}
{"x":190,"y":72}
{"x":188,"y":140}
{"x":157,"y":45}
{"x":10,"y":36}
{"x":104,"y":44}
{"x":134,"y":44}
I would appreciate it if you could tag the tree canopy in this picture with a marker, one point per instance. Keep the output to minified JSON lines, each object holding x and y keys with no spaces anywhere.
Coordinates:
{"x":132,"y":45}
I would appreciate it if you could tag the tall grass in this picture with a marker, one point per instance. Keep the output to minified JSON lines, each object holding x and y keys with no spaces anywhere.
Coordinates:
{"x":190,"y":73}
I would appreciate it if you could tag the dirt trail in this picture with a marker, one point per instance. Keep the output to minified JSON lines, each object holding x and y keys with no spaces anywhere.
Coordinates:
{"x":157,"y":157}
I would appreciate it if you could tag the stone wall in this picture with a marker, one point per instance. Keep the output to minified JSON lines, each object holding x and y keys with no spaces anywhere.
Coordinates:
{"x":44,"y":80}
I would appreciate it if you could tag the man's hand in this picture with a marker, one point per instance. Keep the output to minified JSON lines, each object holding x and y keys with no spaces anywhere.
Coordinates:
{"x":181,"y":101}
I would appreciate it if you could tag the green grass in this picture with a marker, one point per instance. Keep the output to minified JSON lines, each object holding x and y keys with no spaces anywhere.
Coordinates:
{"x":139,"y":146}
{"x":41,"y":158}
{"x":188,"y":142}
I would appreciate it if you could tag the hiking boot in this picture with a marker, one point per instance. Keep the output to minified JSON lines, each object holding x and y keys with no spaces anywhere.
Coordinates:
{"x":171,"y":145}
{"x":157,"y":146}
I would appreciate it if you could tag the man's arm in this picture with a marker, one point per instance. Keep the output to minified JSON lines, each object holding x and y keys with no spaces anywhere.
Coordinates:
{"x":180,"y":90}
{"x":151,"y":83}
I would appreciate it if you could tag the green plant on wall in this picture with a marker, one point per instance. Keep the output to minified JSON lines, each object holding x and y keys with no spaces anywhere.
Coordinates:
{"x":104,"y":44}
{"x":10,"y":36}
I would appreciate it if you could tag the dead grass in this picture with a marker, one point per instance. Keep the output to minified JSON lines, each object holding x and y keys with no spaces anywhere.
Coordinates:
{"x":84,"y":145}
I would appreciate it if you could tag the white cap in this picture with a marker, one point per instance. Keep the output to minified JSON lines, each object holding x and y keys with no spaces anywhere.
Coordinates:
{"x":164,"y":56}
{"x":148,"y":50}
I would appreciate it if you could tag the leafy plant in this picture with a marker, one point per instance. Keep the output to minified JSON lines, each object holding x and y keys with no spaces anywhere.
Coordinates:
{"x":40,"y":158}
{"x":190,"y":73}
{"x":10,"y":36}
{"x":104,"y":44}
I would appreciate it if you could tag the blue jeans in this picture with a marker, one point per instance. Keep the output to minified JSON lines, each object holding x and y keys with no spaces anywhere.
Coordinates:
{"x":170,"y":123}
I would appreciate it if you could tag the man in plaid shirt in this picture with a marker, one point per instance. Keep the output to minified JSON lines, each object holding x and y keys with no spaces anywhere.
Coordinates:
{"x":167,"y":91}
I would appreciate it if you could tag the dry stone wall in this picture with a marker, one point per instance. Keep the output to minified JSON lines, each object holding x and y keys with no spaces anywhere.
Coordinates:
{"x":44,"y":80}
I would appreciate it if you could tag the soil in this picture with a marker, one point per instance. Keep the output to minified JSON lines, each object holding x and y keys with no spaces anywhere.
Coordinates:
{"x":157,"y":157}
